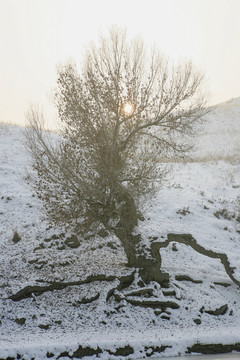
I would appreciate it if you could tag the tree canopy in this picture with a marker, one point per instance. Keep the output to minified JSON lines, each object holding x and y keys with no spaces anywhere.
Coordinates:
{"x":125,"y":111}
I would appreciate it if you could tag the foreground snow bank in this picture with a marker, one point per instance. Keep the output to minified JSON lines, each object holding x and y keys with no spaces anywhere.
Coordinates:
{"x":122,"y":345}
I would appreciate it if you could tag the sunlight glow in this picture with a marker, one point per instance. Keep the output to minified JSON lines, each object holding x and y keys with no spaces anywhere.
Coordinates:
{"x":128,"y":108}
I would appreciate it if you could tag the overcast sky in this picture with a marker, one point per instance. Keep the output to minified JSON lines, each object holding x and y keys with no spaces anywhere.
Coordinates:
{"x":36,"y":35}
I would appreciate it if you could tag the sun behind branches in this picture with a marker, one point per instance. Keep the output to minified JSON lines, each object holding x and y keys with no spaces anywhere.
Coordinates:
{"x":128,"y":108}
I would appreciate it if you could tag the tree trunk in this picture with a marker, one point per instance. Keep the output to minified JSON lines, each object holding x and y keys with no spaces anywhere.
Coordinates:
{"x":146,"y":260}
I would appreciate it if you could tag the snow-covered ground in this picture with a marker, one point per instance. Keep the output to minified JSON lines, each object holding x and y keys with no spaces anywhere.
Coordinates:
{"x":200,"y":198}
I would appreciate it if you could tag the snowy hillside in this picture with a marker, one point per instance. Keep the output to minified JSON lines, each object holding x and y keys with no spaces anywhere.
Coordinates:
{"x":220,"y":136}
{"x":202,"y":304}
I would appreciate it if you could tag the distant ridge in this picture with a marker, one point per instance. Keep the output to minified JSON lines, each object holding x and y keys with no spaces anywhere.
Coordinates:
{"x":229,"y":103}
{"x":219,"y":138}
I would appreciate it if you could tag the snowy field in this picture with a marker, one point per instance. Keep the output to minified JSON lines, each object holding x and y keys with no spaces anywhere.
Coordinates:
{"x":200,"y":198}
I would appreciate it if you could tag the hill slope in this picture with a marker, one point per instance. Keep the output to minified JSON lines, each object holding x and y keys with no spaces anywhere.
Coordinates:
{"x":219,"y":138}
{"x":202,"y":305}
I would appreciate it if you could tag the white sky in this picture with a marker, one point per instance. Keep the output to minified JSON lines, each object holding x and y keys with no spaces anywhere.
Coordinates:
{"x":36,"y":35}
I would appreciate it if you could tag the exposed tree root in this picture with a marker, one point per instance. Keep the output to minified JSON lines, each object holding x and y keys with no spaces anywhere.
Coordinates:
{"x":124,"y":282}
{"x":151,"y":273}
{"x":87,"y":300}
{"x":39,"y":290}
{"x":141,"y":292}
{"x":187,"y":278}
{"x":130,"y":297}
{"x":154,"y":304}
{"x":187,"y":239}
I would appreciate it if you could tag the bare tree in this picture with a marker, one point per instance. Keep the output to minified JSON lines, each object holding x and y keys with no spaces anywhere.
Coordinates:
{"x":123,"y":113}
